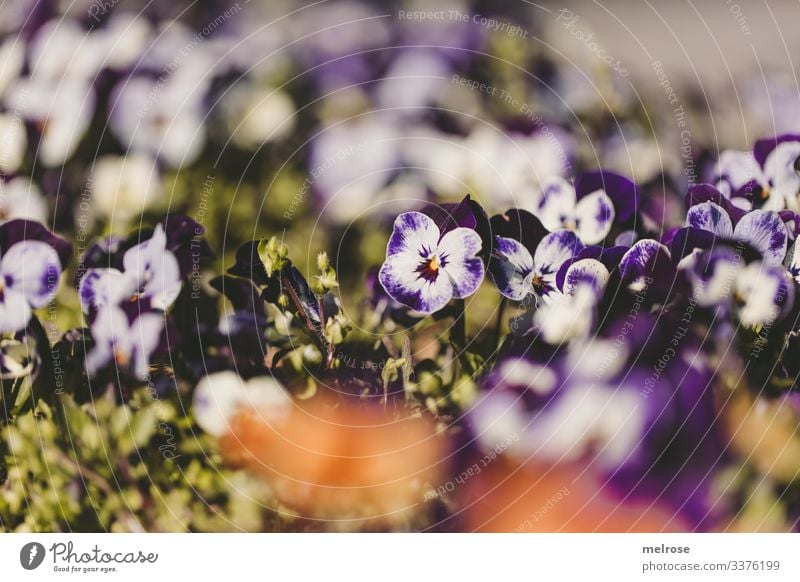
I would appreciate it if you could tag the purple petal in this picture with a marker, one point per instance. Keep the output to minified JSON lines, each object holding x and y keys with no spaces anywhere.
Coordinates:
{"x":556,"y":207}
{"x":520,"y":225}
{"x":413,"y":233}
{"x":458,"y":252}
{"x":706,"y":193}
{"x":624,"y":194}
{"x":33,"y":269}
{"x":17,"y":230}
{"x":645,"y":262}
{"x":510,"y":268}
{"x":764,"y":230}
{"x":155,"y":270}
{"x":449,"y":216}
{"x":764,"y":147}
{"x":595,"y":215}
{"x":686,"y":240}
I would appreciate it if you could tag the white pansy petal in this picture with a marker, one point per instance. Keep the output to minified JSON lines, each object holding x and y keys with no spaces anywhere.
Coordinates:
{"x":145,"y":336}
{"x":164,"y":284}
{"x":32,"y":268}
{"x":737,"y":168}
{"x":586,"y":273}
{"x":565,"y":317}
{"x":557,"y":205}
{"x":780,"y":172}
{"x":763,"y":292}
{"x":554,"y":250}
{"x":511,"y":267}
{"x":15,"y":311}
{"x":413,"y":232}
{"x":594,"y":217}
{"x":401,"y":277}
{"x":111,"y":334}
{"x":764,"y":230}
{"x":139,"y":259}
{"x":713,"y":276}
{"x":457,"y":252}
{"x":711,"y":217}
{"x":102,"y":287}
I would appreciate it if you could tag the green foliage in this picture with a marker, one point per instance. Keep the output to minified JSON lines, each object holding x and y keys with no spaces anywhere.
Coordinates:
{"x":105,"y":466}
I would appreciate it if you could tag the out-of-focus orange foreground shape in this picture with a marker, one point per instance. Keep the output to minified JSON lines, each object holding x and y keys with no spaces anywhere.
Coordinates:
{"x":333,"y":461}
{"x":539,"y":498}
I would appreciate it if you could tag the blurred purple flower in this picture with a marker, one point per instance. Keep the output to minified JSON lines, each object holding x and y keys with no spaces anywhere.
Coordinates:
{"x":150,"y":272}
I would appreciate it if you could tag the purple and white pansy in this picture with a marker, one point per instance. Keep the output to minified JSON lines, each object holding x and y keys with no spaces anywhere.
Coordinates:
{"x":763,"y":230}
{"x":425,"y":268}
{"x":571,"y":315}
{"x":518,"y":273}
{"x":29,"y":275}
{"x":591,"y":216}
{"x":151,"y":271}
{"x":767,"y":178}
{"x":31,"y":262}
{"x":758,"y":292}
{"x":125,"y":339}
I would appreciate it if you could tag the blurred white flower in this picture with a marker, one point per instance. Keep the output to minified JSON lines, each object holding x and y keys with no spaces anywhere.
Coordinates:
{"x":413,"y":82}
{"x":257,"y":115}
{"x":62,"y":112}
{"x":62,"y":49}
{"x":21,"y":198}
{"x":218,"y":396}
{"x":12,"y":58}
{"x":351,"y":162}
{"x":13,"y":142}
{"x":124,"y":186}
{"x":163,"y":118}
{"x":124,"y":39}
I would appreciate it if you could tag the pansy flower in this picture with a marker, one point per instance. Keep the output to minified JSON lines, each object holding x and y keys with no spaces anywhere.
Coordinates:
{"x":150,"y":272}
{"x":598,"y":200}
{"x":762,"y":230}
{"x":125,"y":339}
{"x":759,"y":292}
{"x":767,"y":178}
{"x":424,"y":268}
{"x":31,"y":262}
{"x":519,"y":274}
{"x":591,"y":217}
{"x":572,"y":314}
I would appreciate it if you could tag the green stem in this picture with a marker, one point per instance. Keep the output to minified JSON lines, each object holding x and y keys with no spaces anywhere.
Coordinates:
{"x":498,"y":326}
{"x":458,"y":333}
